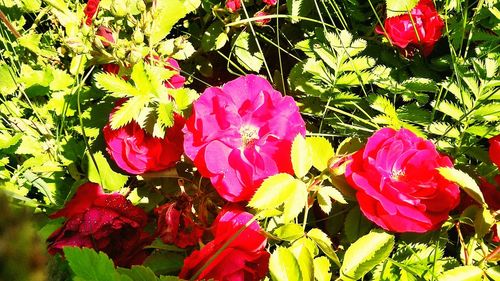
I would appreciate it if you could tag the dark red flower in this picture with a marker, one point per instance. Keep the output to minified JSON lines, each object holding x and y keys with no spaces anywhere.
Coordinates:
{"x":111,"y":68}
{"x":106,"y":34}
{"x":91,"y":10}
{"x":104,"y":222}
{"x":261,"y":21}
{"x":245,"y":258}
{"x":495,"y":150}
{"x":176,"y":225}
{"x":420,"y":32}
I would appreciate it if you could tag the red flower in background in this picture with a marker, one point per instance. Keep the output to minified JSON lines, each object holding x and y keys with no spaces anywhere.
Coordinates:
{"x":104,"y":222}
{"x":90,"y":10}
{"x":494,"y":150}
{"x":421,"y":31}
{"x":233,"y":5}
{"x":270,"y":2}
{"x":398,"y":185}
{"x":240,"y":134}
{"x":245,"y":258}
{"x":176,"y":225}
{"x":106,"y":34}
{"x":137,"y":152}
{"x":261,"y":21}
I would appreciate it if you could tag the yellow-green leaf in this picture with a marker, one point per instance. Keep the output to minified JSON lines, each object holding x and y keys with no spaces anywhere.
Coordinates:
{"x":466,"y":182}
{"x":302,"y":159}
{"x":324,"y":243}
{"x":462,"y":273}
{"x":283,"y":266}
{"x":296,"y":201}
{"x":273,"y":192}
{"x":321,"y":151}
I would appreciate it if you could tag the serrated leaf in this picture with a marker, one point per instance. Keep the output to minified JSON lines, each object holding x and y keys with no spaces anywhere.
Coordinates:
{"x":138,"y":273}
{"x":462,"y":273}
{"x":273,"y":192}
{"x":296,"y":201}
{"x":399,"y":7}
{"x":305,"y":261}
{"x":183,"y":97}
{"x":466,"y":182}
{"x":321,"y":152}
{"x":444,"y":129}
{"x":299,"y":8}
{"x":382,"y":104}
{"x":364,"y":254}
{"x":289,"y":232}
{"x":322,"y":269}
{"x":357,"y":64}
{"x":128,"y":111}
{"x":8,"y":85}
{"x":247,"y":53}
{"x":324,"y":243}
{"x":448,"y":108}
{"x":489,"y":112}
{"x":483,"y":222}
{"x":215,"y":37}
{"x":141,"y":80}
{"x":103,"y":174}
{"x":89,"y":265}
{"x":356,"y":225}
{"x":115,"y":85}
{"x":302,"y":158}
{"x":166,"y":14}
{"x":283,"y":266}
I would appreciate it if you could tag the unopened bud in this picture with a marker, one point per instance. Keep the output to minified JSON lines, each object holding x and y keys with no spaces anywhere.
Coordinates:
{"x":138,"y":37}
{"x":119,"y":8}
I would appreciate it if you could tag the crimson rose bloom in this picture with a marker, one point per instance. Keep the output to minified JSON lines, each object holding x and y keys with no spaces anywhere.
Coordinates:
{"x":90,"y":10}
{"x":242,"y":133}
{"x":402,"y":30}
{"x":233,"y":5}
{"x":495,"y":150}
{"x":107,"y":34}
{"x":104,"y":222}
{"x":176,"y":225}
{"x":270,"y":2}
{"x":398,"y":185}
{"x":137,"y":152}
{"x":245,"y":258}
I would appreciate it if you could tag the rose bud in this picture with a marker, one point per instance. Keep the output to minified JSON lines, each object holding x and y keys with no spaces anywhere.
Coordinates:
{"x":494,"y":150}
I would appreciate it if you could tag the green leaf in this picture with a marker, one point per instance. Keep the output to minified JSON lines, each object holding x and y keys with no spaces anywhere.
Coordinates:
{"x":215,"y":37}
{"x":166,"y":14}
{"x":322,"y":269}
{"x":165,"y":113}
{"x":138,"y":273}
{"x":364,"y":254}
{"x":483,"y":222}
{"x":400,"y":7}
{"x":296,"y":201}
{"x":273,"y":192}
{"x":289,"y":232}
{"x":302,"y":159}
{"x":466,"y":182}
{"x":247,"y":52}
{"x":305,"y":261}
{"x":324,"y":243}
{"x":299,"y":8}
{"x":283,"y":266}
{"x":8,"y":85}
{"x":356,"y":225}
{"x":104,"y":175}
{"x":489,"y":112}
{"x":142,"y":80}
{"x":89,"y":265}
{"x":444,"y":129}
{"x":448,"y":108}
{"x":115,"y":85}
{"x":462,"y":273}
{"x":321,"y":151}
{"x":382,"y":104}
{"x":128,"y":111}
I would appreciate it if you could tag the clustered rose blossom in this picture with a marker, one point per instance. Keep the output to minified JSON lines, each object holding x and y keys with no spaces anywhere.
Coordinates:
{"x":397,"y":182}
{"x":494,"y":150}
{"x":105,"y":222}
{"x":420,"y":32}
{"x":137,"y":152}
{"x":240,"y":134}
{"x":176,"y":225}
{"x":245,"y":258}
{"x":90,"y":10}
{"x":233,"y":5}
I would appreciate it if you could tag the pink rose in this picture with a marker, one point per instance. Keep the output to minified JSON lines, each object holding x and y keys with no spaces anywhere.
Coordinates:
{"x":261,"y":21}
{"x":177,"y":80}
{"x":240,"y":134}
{"x":176,"y":225}
{"x":270,"y":2}
{"x":398,"y":185}
{"x":137,"y":152}
{"x":104,"y":222}
{"x":233,"y":5}
{"x":90,"y":10}
{"x":425,"y":20}
{"x":245,"y":258}
{"x":495,"y":150}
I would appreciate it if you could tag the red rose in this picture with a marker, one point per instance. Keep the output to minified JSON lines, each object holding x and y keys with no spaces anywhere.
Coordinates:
{"x":270,"y":2}
{"x":104,"y":222}
{"x":137,"y":152}
{"x":245,"y":258}
{"x":91,"y":10}
{"x":490,"y":192}
{"x":402,"y":30}
{"x":106,"y":34}
{"x":111,"y":68}
{"x":398,"y":185}
{"x":176,"y":225}
{"x":261,"y":21}
{"x":495,"y":150}
{"x":233,"y":5}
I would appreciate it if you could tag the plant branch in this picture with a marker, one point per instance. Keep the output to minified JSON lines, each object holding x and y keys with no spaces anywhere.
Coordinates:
{"x":9,"y":25}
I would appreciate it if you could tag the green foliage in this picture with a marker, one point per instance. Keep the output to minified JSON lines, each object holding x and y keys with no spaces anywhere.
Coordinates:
{"x":88,"y":265}
{"x":462,"y":273}
{"x":399,"y":7}
{"x":247,"y":52}
{"x":103,"y":175}
{"x":321,"y":151}
{"x":283,"y":265}
{"x":466,"y":182}
{"x":302,"y":158}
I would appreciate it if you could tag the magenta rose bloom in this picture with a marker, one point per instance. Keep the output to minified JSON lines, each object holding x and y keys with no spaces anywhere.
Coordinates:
{"x":177,"y":80}
{"x":233,"y":5}
{"x":402,"y":30}
{"x":242,"y":133}
{"x":270,"y":2}
{"x":245,"y":258}
{"x":398,"y":185}
{"x":137,"y":152}
{"x":104,"y":222}
{"x":494,"y":150}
